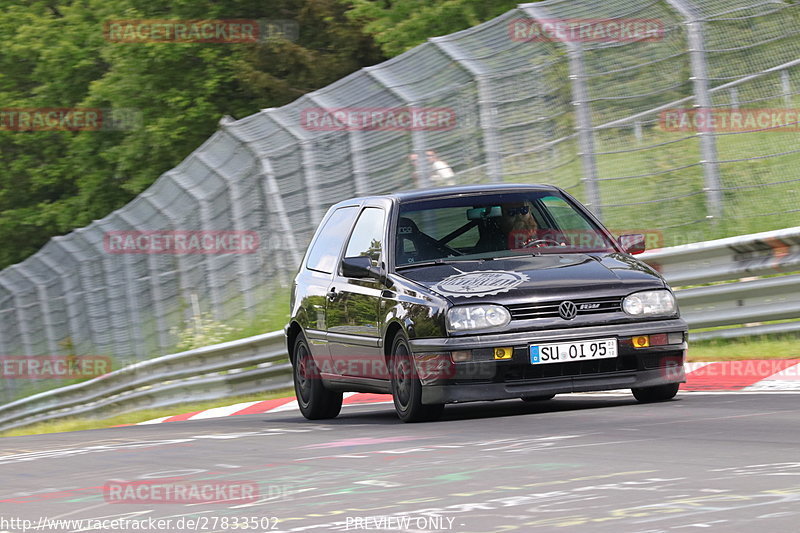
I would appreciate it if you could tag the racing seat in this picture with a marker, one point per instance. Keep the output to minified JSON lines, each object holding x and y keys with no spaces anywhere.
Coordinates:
{"x":413,"y":245}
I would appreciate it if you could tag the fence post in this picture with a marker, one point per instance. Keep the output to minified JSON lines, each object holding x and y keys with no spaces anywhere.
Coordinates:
{"x":583,"y":113}
{"x":8,"y":387}
{"x":734,"y":92}
{"x":271,"y":192}
{"x":233,"y":193}
{"x":23,"y":331}
{"x":356,"y":142}
{"x":309,"y":164}
{"x":418,"y":141}
{"x":209,"y":260}
{"x":44,"y":307}
{"x":69,"y":296}
{"x":488,"y":122}
{"x":786,"y":87}
{"x":703,"y":104}
{"x":272,"y":195}
{"x":583,"y":123}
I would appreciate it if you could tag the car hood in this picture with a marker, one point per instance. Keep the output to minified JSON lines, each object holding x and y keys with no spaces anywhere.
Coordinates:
{"x":536,"y":278}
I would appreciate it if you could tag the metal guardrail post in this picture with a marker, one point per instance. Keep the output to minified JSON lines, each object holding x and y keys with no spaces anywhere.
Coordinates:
{"x":703,"y":103}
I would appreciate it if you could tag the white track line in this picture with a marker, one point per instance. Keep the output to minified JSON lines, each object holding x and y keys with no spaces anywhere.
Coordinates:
{"x":785,"y":380}
{"x":154,"y":421}
{"x":227,"y":410}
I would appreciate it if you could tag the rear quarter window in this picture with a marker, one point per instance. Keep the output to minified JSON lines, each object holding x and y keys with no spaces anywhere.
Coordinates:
{"x":324,"y":251}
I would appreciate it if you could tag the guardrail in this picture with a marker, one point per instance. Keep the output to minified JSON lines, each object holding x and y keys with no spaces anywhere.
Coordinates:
{"x":260,"y":364}
{"x":248,"y":366}
{"x":744,"y":301}
{"x":757,"y":254}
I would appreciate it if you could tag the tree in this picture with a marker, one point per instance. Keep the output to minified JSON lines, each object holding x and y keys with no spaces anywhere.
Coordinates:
{"x":54,"y":54}
{"x":400,"y":25}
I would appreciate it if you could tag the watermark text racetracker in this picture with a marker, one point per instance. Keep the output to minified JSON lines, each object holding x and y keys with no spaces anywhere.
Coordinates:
{"x":181,"y":242}
{"x":727,"y":119}
{"x":586,"y":30}
{"x":199,"y":31}
{"x":171,"y":491}
{"x":378,"y":119}
{"x":69,"y":119}
{"x":579,"y":238}
{"x":54,"y":366}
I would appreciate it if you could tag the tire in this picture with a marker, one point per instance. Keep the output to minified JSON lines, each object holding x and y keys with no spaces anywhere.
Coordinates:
{"x":542,"y":398}
{"x":315,"y":401}
{"x":406,"y":387}
{"x":659,"y":393}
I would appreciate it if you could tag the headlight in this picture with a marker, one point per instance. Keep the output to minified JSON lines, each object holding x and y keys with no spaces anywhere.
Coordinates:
{"x":476,"y":317}
{"x":650,"y":303}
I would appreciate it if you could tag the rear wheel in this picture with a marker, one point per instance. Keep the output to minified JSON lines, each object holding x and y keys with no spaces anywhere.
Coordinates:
{"x":406,"y":387}
{"x":659,"y":393}
{"x":542,"y":398}
{"x":315,"y":401}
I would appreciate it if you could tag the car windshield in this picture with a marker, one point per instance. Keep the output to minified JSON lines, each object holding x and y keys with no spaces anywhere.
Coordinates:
{"x":489,"y":226}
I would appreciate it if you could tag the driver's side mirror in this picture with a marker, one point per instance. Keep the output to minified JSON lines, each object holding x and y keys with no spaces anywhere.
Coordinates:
{"x":633,"y":243}
{"x":360,"y":267}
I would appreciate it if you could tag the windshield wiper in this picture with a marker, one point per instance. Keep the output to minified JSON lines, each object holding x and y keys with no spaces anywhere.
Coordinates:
{"x":440,"y":261}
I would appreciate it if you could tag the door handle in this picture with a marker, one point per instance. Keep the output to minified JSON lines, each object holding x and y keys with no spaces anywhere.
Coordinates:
{"x":332,"y":294}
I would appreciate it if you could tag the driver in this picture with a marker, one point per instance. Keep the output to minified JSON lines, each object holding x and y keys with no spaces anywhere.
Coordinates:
{"x":518,"y":224}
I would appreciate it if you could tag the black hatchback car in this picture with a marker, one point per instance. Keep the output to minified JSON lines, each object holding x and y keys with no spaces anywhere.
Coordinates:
{"x":477,"y":293}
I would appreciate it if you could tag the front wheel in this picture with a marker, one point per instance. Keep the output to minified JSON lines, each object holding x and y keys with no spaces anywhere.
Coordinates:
{"x":315,"y":401}
{"x":658,"y":393}
{"x":406,"y":387}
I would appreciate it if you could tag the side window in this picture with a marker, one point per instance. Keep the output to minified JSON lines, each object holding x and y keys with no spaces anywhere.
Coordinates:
{"x":330,"y":238}
{"x":367,"y":238}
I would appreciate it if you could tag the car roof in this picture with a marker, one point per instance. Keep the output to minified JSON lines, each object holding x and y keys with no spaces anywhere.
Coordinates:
{"x":442,"y":192}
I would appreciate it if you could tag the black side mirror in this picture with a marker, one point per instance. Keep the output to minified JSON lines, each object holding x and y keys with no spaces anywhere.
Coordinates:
{"x":356,"y":267}
{"x":633,"y":243}
{"x":361,"y":267}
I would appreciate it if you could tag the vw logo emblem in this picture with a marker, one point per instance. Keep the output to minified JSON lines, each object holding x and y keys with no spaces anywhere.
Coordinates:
{"x":568,"y":310}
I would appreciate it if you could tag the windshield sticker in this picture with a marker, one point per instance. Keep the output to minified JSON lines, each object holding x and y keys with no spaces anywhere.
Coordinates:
{"x":479,"y":283}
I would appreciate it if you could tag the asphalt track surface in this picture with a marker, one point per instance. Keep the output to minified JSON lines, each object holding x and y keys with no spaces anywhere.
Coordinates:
{"x":601,"y":463}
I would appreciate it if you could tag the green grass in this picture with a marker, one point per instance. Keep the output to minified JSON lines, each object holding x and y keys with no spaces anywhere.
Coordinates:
{"x":80,"y":424}
{"x":759,"y":347}
{"x":759,"y":193}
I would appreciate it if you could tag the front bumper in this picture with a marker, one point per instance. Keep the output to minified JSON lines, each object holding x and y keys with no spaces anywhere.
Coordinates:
{"x":488,"y":379}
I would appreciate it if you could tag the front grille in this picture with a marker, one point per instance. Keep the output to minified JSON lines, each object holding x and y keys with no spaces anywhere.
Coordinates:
{"x":587,"y":306}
